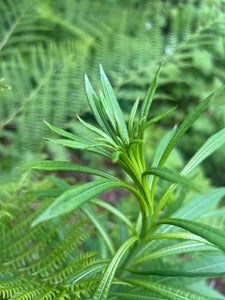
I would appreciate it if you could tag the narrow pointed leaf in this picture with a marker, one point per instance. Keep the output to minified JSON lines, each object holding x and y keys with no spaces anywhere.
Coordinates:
{"x":74,"y":198}
{"x":146,"y":104}
{"x":211,"y":234}
{"x":81,"y":145}
{"x":167,"y":291}
{"x":95,"y":104}
{"x":177,"y":236}
{"x":158,"y":118}
{"x":88,"y":271}
{"x":114,"y":107}
{"x":177,"y":273}
{"x":100,"y":227}
{"x":49,"y":165}
{"x":157,"y":156}
{"x":210,"y":146}
{"x":65,"y":133}
{"x":171,"y":176}
{"x":114,"y":211}
{"x":189,"y":120}
{"x":179,"y":248}
{"x":131,"y":118}
{"x":97,"y":131}
{"x":107,"y":278}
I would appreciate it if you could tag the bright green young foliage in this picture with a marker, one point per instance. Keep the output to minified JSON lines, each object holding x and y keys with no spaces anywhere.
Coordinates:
{"x":148,"y":233}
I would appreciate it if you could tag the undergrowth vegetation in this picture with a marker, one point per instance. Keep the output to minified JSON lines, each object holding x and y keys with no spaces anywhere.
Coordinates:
{"x":47,"y":46}
{"x":129,"y":201}
{"x":47,"y":260}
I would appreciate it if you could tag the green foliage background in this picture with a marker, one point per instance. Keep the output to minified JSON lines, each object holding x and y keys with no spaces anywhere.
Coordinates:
{"x":47,"y":46}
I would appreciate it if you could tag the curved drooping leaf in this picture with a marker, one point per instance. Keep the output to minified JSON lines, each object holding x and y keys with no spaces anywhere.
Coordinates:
{"x":49,"y":165}
{"x":107,"y":278}
{"x":99,"y":226}
{"x":75,"y":197}
{"x":167,"y":291}
{"x":114,"y":211}
{"x":211,"y":234}
{"x":171,"y":176}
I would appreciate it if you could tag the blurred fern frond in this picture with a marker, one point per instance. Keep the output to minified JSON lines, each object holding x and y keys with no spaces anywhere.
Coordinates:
{"x":45,"y":262}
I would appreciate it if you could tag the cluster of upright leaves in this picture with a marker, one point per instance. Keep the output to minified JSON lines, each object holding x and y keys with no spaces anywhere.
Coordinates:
{"x":144,"y":252}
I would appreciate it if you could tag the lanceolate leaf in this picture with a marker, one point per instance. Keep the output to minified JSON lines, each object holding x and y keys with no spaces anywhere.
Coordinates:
{"x":178,"y":248}
{"x":146,"y":104}
{"x":212,"y":234}
{"x":175,"y":273}
{"x":167,"y":291}
{"x":156,"y":119}
{"x":99,"y":226}
{"x":113,"y":106}
{"x":65,"y":133}
{"x":210,"y":146}
{"x":171,"y":176}
{"x":177,"y":236}
{"x":114,"y":211}
{"x":107,"y":278}
{"x":97,"y":131}
{"x":131,"y":118}
{"x":193,"y":116}
{"x":81,"y":145}
{"x":95,"y":104}
{"x":49,"y":165}
{"x":74,"y":198}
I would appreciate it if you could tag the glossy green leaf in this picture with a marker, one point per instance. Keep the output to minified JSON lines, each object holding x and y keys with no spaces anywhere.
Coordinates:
{"x":189,"y":120}
{"x":97,"y":131}
{"x":66,"y":134}
{"x":100,"y":227}
{"x":175,"y":273}
{"x":107,"y":278}
{"x":89,"y":270}
{"x":131,"y":118}
{"x":158,"y":118}
{"x":206,"y":264}
{"x":171,"y":176}
{"x":114,"y":108}
{"x":192,"y":210}
{"x":157,"y":156}
{"x":114,"y":211}
{"x":49,"y":165}
{"x":179,"y":248}
{"x":81,"y":145}
{"x":210,"y":146}
{"x":178,"y":236}
{"x":211,"y":234}
{"x":146,"y":104}
{"x":74,"y":198}
{"x":198,"y":205}
{"x":95,"y":104}
{"x":167,"y":291}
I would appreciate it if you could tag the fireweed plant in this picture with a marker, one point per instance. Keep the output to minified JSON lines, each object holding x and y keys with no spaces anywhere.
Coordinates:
{"x":123,"y":143}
